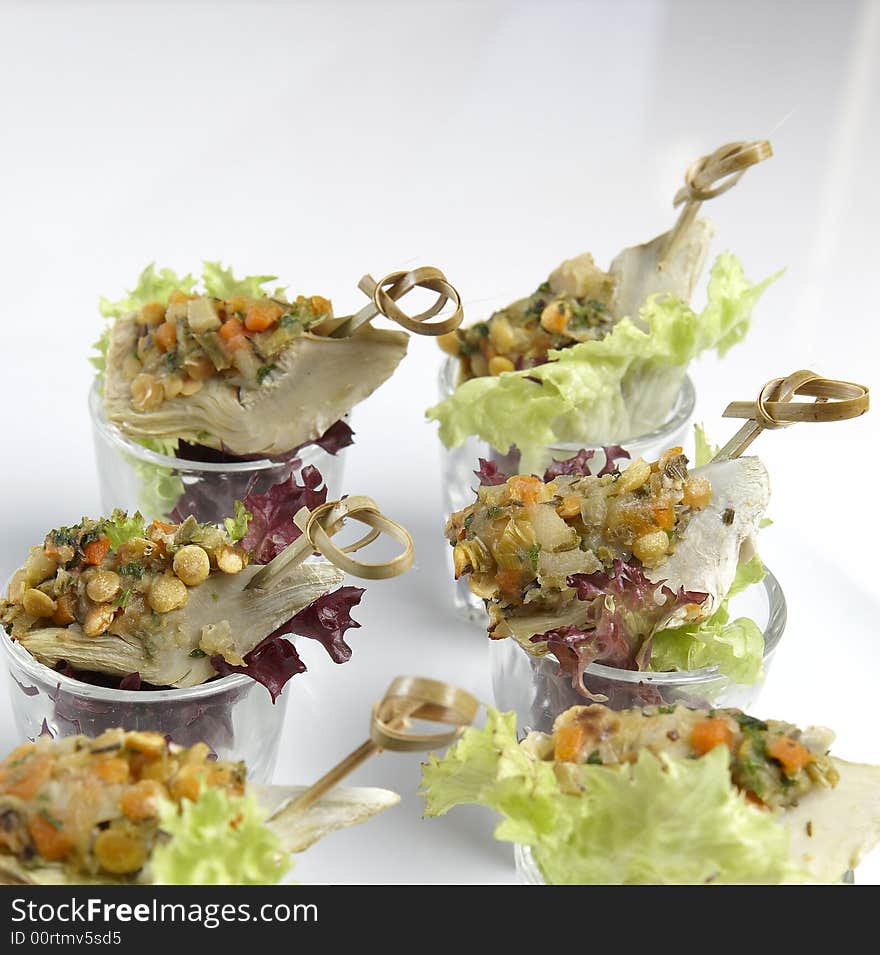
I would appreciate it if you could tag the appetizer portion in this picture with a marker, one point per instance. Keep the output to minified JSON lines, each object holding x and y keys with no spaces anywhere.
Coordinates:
{"x":232,"y":366}
{"x":168,"y":605}
{"x":594,"y":356}
{"x":608,"y":567}
{"x":131,"y":807}
{"x":666,"y":795}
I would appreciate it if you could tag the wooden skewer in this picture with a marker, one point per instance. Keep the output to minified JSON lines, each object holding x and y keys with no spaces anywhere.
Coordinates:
{"x":774,"y":407}
{"x":384,"y":295}
{"x":327,"y":519}
{"x":405,"y":699}
{"x":710,"y":176}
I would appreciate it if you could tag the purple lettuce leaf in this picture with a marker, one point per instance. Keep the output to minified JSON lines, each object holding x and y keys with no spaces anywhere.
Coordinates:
{"x":334,"y":439}
{"x":275,"y":660}
{"x":272,"y":662}
{"x":271,"y":528}
{"x":578,"y":464}
{"x":488,"y":473}
{"x":612,"y":453}
{"x":618,"y":631}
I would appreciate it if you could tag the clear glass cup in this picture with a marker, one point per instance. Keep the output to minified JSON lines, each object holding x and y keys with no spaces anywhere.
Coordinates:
{"x":528,"y":872}
{"x":134,"y":478}
{"x":234,"y":715}
{"x":459,"y":464}
{"x":538,"y":692}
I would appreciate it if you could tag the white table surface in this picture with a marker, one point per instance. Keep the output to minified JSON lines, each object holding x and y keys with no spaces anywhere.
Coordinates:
{"x":321,"y":141}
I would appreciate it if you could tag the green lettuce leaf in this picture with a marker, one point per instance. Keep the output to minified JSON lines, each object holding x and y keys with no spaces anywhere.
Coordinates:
{"x":160,"y":488}
{"x":600,"y":391}
{"x":736,"y":647}
{"x":704,"y":450}
{"x":237,"y":526}
{"x":221,"y":283}
{"x":119,"y":527}
{"x":152,"y":286}
{"x":218,"y":840}
{"x":659,"y":820}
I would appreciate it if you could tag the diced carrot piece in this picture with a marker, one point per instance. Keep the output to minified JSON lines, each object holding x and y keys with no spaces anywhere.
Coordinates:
{"x":525,"y":488}
{"x":232,"y":333}
{"x":96,"y":551}
{"x":262,"y":315}
{"x":569,"y":507}
{"x":697,"y":492}
{"x":153,"y":313}
{"x":707,"y":734}
{"x":28,"y":778}
{"x":320,"y":305}
{"x":790,"y":753}
{"x":142,"y":800}
{"x":166,"y":336}
{"x":112,"y":770}
{"x":238,"y":303}
{"x":164,"y":527}
{"x":51,"y":841}
{"x":569,"y":741}
{"x":664,"y":516}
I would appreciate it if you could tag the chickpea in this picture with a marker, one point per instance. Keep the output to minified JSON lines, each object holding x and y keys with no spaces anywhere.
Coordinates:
{"x":166,"y":594}
{"x":98,"y":619}
{"x":229,"y":560}
{"x":187,"y":784}
{"x":39,"y":567}
{"x":103,"y":586}
{"x":150,"y":744}
{"x":135,"y":549}
{"x":120,"y":852}
{"x":635,"y":475}
{"x":479,"y":365}
{"x":199,"y":369}
{"x":569,"y":507}
{"x":554,"y":318}
{"x":499,"y":364}
{"x":146,"y":392}
{"x":651,"y":548}
{"x":190,"y":386}
{"x":501,"y":335}
{"x":38,"y":604}
{"x":192,"y":565}
{"x":172,"y":386}
{"x":450,"y":343}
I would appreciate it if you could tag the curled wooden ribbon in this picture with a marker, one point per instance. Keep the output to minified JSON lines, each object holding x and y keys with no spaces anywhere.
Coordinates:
{"x":407,"y":698}
{"x":385,"y":294}
{"x":318,"y":525}
{"x":711,"y":176}
{"x":775,"y":407}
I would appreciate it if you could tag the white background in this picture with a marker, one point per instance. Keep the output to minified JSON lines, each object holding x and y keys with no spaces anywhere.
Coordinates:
{"x":493,"y":140}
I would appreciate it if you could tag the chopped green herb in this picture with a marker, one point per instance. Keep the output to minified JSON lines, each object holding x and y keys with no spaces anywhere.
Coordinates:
{"x":481,"y":328}
{"x":665,"y":709}
{"x":197,"y":654}
{"x":543,"y":288}
{"x":134,"y":569}
{"x":122,"y":598}
{"x":532,"y":553}
{"x":494,"y":510}
{"x":263,"y":373}
{"x":290,"y":322}
{"x":53,"y":821}
{"x":594,"y":759}
{"x":469,"y":519}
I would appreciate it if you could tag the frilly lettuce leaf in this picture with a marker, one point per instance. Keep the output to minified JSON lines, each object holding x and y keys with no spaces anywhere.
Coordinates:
{"x":152,"y":286}
{"x":237,"y":526}
{"x":160,"y":488}
{"x":218,"y":840}
{"x":736,"y":647}
{"x":120,"y":527}
{"x":221,"y":283}
{"x":658,"y":820}
{"x":600,"y":391}
{"x":704,"y":450}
